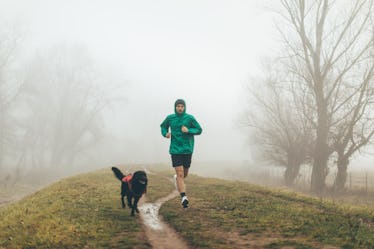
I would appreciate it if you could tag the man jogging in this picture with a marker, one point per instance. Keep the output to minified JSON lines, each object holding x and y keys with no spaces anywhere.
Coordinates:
{"x":183,"y":127}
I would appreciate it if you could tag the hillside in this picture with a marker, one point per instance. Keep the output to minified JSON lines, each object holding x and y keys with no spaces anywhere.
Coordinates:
{"x":84,"y":212}
{"x":233,"y":214}
{"x":78,"y":212}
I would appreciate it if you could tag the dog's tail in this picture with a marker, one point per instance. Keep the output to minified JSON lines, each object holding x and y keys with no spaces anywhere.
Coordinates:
{"x":118,"y":173}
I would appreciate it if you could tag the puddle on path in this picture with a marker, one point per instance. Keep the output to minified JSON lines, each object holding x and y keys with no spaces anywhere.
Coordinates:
{"x":159,"y":233}
{"x":149,"y":212}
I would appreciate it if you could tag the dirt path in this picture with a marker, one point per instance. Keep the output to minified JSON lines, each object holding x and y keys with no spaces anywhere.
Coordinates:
{"x":159,"y":233}
{"x":4,"y":201}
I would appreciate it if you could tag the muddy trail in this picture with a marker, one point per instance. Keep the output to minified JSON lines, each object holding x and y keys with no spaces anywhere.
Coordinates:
{"x":159,"y":233}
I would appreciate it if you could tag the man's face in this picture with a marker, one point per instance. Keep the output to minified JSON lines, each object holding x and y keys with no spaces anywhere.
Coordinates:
{"x":180,"y":108}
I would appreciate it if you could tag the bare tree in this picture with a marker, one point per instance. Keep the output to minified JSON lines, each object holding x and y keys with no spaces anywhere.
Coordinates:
{"x":8,"y":90}
{"x":327,"y":43}
{"x":62,"y":100}
{"x":355,"y":127}
{"x":280,"y":133}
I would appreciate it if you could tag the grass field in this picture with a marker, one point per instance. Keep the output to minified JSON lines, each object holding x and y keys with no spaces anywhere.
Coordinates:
{"x":78,"y":212}
{"x":85,"y":212}
{"x":227,"y":214}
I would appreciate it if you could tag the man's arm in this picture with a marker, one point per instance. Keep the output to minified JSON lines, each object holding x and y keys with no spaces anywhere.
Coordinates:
{"x":195,"y":128}
{"x":165,"y":127}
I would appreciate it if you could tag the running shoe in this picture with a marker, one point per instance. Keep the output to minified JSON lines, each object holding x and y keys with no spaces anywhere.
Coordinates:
{"x":184,"y":202}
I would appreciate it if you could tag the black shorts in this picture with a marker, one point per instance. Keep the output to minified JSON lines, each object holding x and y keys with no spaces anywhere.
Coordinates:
{"x":181,"y":160}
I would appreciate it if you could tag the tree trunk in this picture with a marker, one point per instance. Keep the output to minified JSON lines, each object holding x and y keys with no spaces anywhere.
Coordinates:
{"x":292,"y":171}
{"x":341,"y":177}
{"x":319,"y":171}
{"x":321,"y":155}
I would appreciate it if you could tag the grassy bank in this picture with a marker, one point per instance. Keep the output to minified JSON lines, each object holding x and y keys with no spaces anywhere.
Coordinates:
{"x":85,"y":212}
{"x":226,"y":214}
{"x":78,"y":212}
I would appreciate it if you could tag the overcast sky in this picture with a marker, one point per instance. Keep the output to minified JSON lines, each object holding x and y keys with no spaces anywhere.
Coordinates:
{"x":202,"y":51}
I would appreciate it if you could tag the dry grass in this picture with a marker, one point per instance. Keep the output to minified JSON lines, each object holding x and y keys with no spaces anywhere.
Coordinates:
{"x":85,"y":212}
{"x":221,"y":210}
{"x":78,"y":212}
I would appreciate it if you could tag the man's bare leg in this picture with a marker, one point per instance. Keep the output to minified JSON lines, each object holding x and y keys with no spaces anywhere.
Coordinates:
{"x":179,"y":170}
{"x":181,"y":186}
{"x":185,"y":172}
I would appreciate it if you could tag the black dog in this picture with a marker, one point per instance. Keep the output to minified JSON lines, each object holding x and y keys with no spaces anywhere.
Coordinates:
{"x":133,"y":186}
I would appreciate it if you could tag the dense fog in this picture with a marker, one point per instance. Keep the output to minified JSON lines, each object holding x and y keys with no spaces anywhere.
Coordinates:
{"x":89,"y":82}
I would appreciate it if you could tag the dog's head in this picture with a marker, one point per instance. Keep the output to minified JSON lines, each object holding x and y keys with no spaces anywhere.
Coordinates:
{"x":139,"y":182}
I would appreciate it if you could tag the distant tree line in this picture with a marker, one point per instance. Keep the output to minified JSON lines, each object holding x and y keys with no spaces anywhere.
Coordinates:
{"x":316,"y":103}
{"x":50,"y":107}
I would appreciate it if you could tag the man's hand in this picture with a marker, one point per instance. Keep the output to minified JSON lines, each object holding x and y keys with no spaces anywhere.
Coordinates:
{"x":184,"y":129}
{"x":168,"y":135}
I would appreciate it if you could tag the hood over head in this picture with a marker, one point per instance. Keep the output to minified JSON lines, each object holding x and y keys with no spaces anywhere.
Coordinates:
{"x":177,"y":102}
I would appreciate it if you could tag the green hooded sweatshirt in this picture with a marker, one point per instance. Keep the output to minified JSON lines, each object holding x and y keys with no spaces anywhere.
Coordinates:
{"x":181,"y":143}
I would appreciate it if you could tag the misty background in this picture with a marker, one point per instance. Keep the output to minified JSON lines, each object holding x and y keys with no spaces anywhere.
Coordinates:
{"x":122,"y":66}
{"x":162,"y":51}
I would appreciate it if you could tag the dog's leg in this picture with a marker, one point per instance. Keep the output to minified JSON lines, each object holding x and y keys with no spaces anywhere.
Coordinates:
{"x":133,"y":211}
{"x":129,"y":197}
{"x":123,"y":194}
{"x":136,"y":204}
{"x":123,"y":201}
{"x":133,"y":207}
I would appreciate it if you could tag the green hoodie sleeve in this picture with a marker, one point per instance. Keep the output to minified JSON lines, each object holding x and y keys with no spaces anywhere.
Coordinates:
{"x":195,"y":128}
{"x":165,"y":126}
